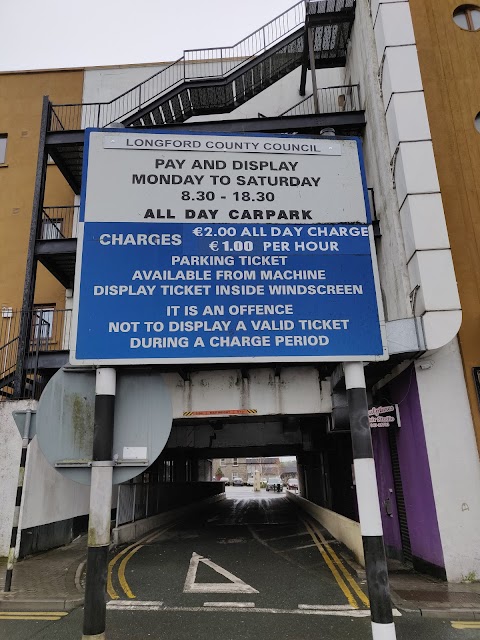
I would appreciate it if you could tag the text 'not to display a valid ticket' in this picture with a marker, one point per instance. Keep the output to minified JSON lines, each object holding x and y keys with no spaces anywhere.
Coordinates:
{"x":226,"y":291}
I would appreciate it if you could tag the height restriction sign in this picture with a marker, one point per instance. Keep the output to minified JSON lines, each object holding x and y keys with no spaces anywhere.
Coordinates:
{"x":224,"y":248}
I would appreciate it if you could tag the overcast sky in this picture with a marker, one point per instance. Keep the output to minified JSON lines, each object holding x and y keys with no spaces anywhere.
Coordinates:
{"x":52,"y":34}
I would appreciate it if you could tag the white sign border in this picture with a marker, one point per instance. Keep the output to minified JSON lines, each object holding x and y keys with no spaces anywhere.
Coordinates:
{"x":220,"y":360}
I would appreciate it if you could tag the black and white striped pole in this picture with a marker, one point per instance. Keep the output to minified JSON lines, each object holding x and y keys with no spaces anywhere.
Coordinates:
{"x":18,"y":502}
{"x":383,"y":627}
{"x":100,"y":506}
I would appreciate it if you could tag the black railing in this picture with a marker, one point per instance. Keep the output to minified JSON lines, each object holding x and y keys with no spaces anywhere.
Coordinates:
{"x":49,"y":332}
{"x":58,"y":223}
{"x":194,"y":64}
{"x":139,"y":499}
{"x":197,"y":64}
{"x":337,"y":99}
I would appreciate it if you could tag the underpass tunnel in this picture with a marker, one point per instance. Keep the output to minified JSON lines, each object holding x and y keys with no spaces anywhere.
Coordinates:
{"x":232,"y":544}
{"x":186,"y":471}
{"x":204,"y":432}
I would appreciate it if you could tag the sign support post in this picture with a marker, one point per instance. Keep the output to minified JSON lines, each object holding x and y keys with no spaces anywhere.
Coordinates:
{"x":18,"y":502}
{"x":100,"y":506}
{"x":383,"y":627}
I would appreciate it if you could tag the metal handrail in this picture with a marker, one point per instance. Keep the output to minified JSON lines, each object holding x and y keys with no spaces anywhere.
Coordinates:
{"x":62,"y":219}
{"x":178,"y":71}
{"x":49,"y":331}
{"x":335,"y":99}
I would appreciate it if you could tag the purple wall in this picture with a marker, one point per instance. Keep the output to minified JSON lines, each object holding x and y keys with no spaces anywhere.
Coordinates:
{"x":381,"y":453}
{"x":415,"y":471}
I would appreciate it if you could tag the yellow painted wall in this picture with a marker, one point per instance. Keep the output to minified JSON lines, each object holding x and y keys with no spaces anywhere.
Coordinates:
{"x":450,"y":66}
{"x":20,"y":113}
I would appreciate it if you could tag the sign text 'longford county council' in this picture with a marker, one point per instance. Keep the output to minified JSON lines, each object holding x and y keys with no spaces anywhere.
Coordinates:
{"x":211,"y":248}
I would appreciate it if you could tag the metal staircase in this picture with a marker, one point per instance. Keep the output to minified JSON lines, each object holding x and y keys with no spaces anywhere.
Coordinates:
{"x":201,"y":82}
{"x":46,"y":351}
{"x":218,"y":80}
{"x":209,"y":81}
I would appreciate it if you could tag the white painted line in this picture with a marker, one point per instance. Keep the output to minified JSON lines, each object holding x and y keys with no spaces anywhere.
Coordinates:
{"x":328,"y":607}
{"x":305,"y":546}
{"x":236,"y":585}
{"x":340,"y":607}
{"x":129,"y":605}
{"x":292,"y":535}
{"x":240,"y":605}
{"x":247,"y":607}
{"x":356,"y":613}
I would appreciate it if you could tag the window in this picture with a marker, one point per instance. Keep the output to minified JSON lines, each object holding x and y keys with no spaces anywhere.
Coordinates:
{"x":235,"y":462}
{"x":42,"y":323}
{"x":51,"y":229}
{"x":467,"y":17}
{"x":3,"y":147}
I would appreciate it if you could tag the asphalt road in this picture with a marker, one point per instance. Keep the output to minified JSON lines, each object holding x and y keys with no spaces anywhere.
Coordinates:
{"x":248,"y":568}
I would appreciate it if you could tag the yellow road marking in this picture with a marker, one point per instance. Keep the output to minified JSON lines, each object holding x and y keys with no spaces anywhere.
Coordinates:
{"x":465,"y":624}
{"x":133,"y":548}
{"x":32,"y":615}
{"x":121,"y":572}
{"x":341,"y":583}
{"x":110,"y":588}
{"x":344,"y":570}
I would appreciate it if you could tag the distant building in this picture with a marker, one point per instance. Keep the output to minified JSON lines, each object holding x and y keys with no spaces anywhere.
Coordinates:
{"x":245,"y":468}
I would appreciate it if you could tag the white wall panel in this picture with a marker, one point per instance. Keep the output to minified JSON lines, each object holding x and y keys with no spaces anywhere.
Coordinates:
{"x":407,"y":119}
{"x":453,"y":458}
{"x":440,"y":327}
{"x":423,"y":223}
{"x":433,"y":272}
{"x":415,"y":170}
{"x":393,"y":26}
{"x":401,"y":72}
{"x":376,"y":4}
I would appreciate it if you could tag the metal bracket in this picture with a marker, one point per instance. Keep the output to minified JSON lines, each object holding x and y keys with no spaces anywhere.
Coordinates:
{"x":82,"y":464}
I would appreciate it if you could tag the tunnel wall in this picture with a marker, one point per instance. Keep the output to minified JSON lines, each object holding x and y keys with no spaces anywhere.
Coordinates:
{"x":343,"y":529}
{"x":179,"y":499}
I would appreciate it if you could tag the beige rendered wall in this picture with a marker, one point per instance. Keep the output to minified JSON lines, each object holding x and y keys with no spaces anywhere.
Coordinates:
{"x":20,"y":113}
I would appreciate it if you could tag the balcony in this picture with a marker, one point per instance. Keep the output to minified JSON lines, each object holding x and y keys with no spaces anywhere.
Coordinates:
{"x":56,"y":243}
{"x":47,"y":350}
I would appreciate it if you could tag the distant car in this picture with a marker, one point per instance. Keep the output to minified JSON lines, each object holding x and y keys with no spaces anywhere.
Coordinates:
{"x":250,"y":481}
{"x":237,"y":482}
{"x":225,"y":480}
{"x":274,"y":484}
{"x":292,"y":483}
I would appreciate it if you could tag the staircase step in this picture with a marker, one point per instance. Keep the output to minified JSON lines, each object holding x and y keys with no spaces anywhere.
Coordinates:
{"x":157,"y":115}
{"x":167,"y":114}
{"x":186,"y":104}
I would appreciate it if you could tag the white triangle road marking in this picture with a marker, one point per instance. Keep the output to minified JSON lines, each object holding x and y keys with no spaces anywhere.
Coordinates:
{"x":236,"y":585}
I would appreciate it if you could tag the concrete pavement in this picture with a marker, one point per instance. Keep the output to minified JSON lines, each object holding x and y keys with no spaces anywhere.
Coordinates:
{"x":47,"y":581}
